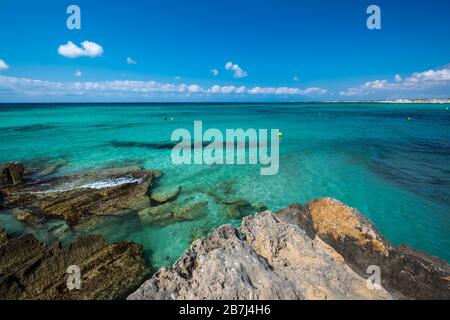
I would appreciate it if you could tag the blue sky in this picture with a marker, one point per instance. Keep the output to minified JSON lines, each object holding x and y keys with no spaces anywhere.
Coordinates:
{"x":279,"y":50}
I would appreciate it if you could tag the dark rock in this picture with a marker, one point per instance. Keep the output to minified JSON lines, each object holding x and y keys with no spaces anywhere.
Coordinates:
{"x":297,"y":214}
{"x":30,"y":269}
{"x":80,"y":197}
{"x":11,"y":174}
{"x":237,"y":209}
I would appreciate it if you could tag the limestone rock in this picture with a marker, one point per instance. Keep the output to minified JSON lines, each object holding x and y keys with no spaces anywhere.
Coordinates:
{"x":412,"y":273}
{"x":299,"y":215}
{"x":266,"y":258}
{"x":30,"y":269}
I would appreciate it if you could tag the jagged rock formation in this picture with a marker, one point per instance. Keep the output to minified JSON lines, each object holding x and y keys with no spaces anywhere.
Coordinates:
{"x":80,"y":197}
{"x":412,"y":273}
{"x":11,"y":174}
{"x":267,"y":258}
{"x":318,"y":251}
{"x":30,"y":269}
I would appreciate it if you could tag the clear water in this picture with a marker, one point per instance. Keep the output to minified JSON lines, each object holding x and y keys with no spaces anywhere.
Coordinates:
{"x":370,"y":156}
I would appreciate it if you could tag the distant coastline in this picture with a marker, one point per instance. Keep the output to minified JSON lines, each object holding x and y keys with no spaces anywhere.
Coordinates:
{"x":398,"y":101}
{"x":447,"y":100}
{"x":404,"y":101}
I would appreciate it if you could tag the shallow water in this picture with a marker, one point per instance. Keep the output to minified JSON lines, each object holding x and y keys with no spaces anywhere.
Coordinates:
{"x":370,"y":156}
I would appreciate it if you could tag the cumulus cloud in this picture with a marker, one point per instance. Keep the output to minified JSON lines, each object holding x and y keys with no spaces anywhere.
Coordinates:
{"x":214,"y":72}
{"x":78,"y":73}
{"x":237,"y":71}
{"x":432,"y":78}
{"x":144,"y":89}
{"x":3,"y":65}
{"x":87,"y":49}
{"x":287,"y":91}
{"x":131,"y":61}
{"x":227,"y":89}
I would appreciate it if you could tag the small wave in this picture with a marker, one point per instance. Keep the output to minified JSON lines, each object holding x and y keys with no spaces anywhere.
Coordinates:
{"x":103,"y":184}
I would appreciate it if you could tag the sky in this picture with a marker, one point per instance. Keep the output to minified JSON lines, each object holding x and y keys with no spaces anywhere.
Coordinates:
{"x":216,"y":50}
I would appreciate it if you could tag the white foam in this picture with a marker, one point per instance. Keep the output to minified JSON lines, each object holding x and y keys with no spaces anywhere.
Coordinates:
{"x":103,"y":184}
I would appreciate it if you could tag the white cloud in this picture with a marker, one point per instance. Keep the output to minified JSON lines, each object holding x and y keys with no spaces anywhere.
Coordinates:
{"x":431,"y":75}
{"x":194,"y":88}
{"x":227,"y":89}
{"x":78,"y":73}
{"x":237,"y":71}
{"x":416,"y":81}
{"x":131,"y":61}
{"x":87,"y":49}
{"x":287,"y":91}
{"x":214,"y":72}
{"x":296,"y":78}
{"x":3,"y":65}
{"x":128,"y":88}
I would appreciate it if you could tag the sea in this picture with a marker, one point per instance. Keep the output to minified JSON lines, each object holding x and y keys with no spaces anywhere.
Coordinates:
{"x":390,"y":161}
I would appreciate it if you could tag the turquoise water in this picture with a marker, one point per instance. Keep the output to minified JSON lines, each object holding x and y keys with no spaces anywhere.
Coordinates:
{"x":370,"y":156}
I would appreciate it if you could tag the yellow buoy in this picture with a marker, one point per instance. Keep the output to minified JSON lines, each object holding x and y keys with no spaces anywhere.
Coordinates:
{"x":280,"y":134}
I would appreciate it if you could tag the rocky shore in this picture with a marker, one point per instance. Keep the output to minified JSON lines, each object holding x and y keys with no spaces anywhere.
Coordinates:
{"x":76,"y":198}
{"x":30,"y":269}
{"x":320,"y":250}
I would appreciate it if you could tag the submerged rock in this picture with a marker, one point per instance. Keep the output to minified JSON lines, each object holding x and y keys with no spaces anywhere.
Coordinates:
{"x":191,"y":212}
{"x":173,"y":212}
{"x":411,"y":273}
{"x":80,"y":197}
{"x":49,"y":169}
{"x":11,"y":174}
{"x":161,"y":197}
{"x":266,"y":258}
{"x":30,"y":269}
{"x":237,"y":209}
{"x":198,"y":233}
